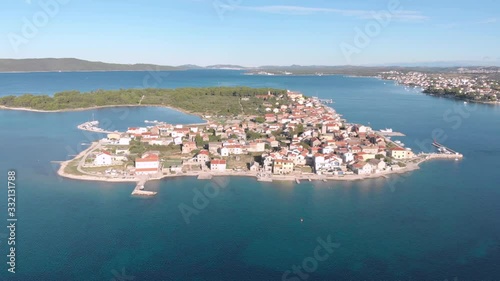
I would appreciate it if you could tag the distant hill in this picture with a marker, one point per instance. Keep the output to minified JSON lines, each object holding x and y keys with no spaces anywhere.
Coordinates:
{"x":71,"y":64}
{"x":226,"y":66}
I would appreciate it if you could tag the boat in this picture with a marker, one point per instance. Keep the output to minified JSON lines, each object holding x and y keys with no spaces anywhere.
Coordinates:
{"x":386,"y":130}
{"x":297,"y":181}
{"x":465,"y":102}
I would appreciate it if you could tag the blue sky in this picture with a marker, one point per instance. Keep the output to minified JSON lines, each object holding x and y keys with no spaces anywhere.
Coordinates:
{"x":252,"y":33}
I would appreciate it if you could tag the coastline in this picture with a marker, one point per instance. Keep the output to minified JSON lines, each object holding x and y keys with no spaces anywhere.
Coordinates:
{"x":2,"y":107}
{"x":291,"y":177}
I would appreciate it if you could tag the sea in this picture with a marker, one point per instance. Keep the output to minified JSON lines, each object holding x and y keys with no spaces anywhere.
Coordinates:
{"x":441,"y":222}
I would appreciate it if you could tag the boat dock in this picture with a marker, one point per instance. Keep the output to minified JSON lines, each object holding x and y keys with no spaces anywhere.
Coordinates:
{"x":325,"y":101}
{"x":92,"y":126}
{"x":445,"y":150}
{"x":139,"y":189}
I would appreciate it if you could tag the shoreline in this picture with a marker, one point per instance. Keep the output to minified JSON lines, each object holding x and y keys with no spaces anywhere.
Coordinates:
{"x":291,"y":177}
{"x":2,"y":107}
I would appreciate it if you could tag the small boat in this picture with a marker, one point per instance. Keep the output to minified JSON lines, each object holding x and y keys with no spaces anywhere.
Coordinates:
{"x":301,"y":220}
{"x":386,"y":130}
{"x":465,"y":102}
{"x":297,"y":181}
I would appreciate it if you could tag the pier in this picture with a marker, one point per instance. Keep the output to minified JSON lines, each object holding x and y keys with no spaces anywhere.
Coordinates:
{"x":91,"y":126}
{"x":139,"y":188}
{"x":326,"y":101}
{"x":445,"y":150}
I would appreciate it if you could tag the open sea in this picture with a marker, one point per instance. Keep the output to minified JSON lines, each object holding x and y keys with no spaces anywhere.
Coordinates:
{"x":441,"y":222}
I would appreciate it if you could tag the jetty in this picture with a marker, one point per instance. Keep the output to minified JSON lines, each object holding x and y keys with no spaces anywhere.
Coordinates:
{"x":445,"y":150}
{"x":139,"y":188}
{"x":92,"y":126}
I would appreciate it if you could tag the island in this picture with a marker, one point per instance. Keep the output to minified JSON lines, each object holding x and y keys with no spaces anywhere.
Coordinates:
{"x":269,"y":134}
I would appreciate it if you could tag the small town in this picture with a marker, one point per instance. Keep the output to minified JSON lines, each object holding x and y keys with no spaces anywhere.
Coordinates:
{"x":299,"y":138}
{"x":462,"y":84}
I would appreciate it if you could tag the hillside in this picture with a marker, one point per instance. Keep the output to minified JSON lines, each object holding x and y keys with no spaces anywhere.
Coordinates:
{"x":71,"y":64}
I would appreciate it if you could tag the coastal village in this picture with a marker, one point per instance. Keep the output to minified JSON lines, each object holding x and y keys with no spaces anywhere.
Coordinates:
{"x":471,"y":85}
{"x":298,"y":138}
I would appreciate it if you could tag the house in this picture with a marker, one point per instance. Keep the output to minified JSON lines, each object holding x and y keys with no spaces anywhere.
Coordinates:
{"x":218,"y":165}
{"x":148,"y":164}
{"x":224,"y":152}
{"x":124,"y":141}
{"x":189,"y":146}
{"x":103,"y":159}
{"x":203,"y":157}
{"x":282,"y":167}
{"x":270,"y":117}
{"x":256,"y":147}
{"x":369,"y":149}
{"x":362,"y":168}
{"x":399,"y":153}
{"x":255,"y":167}
{"x":348,"y":157}
{"x":234,"y":149}
{"x":377,"y":165}
{"x":214,"y":146}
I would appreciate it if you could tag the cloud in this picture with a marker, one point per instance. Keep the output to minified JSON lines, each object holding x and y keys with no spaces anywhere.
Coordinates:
{"x":480,"y":22}
{"x":301,"y":10}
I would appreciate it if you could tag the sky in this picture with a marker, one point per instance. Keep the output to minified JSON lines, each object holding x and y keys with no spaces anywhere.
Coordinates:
{"x":253,"y":33}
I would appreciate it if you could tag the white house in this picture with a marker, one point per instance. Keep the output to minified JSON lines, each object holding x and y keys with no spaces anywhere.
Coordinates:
{"x":224,"y":152}
{"x":124,"y":141}
{"x":362,"y":168}
{"x":103,"y":159}
{"x":148,"y":164}
{"x":348,"y":157}
{"x":218,"y":165}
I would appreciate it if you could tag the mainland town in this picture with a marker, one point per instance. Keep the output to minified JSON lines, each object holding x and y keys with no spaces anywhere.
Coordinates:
{"x":469,"y":84}
{"x":297,"y":138}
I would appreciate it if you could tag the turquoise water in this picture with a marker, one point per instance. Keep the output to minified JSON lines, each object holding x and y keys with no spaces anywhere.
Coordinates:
{"x":437,"y":223}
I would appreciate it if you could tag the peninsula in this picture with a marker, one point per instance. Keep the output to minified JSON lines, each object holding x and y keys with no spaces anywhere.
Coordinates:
{"x":269,"y":134}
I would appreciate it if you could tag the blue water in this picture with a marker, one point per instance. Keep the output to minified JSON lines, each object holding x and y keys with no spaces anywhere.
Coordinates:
{"x":437,"y":223}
